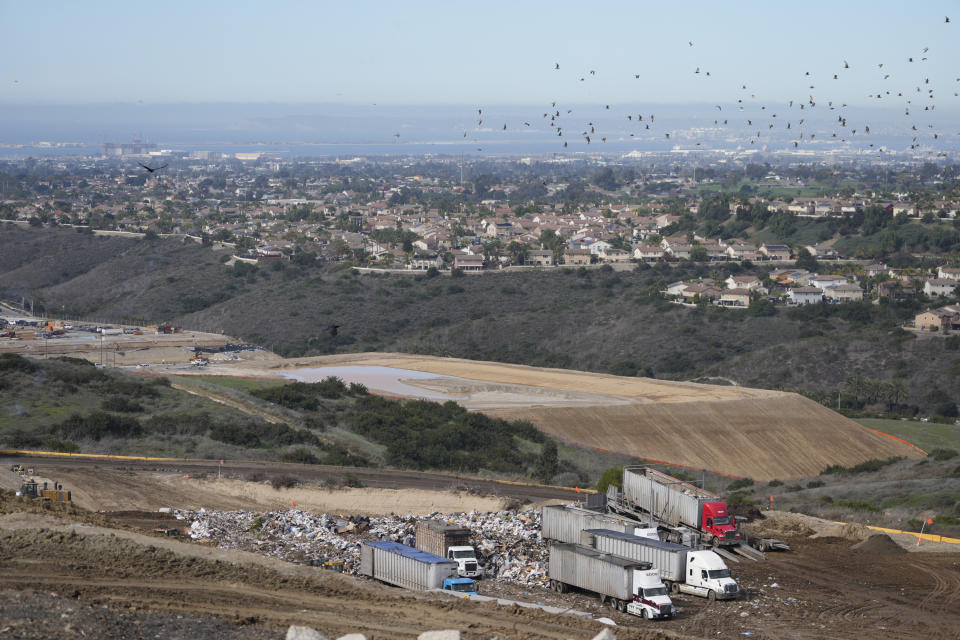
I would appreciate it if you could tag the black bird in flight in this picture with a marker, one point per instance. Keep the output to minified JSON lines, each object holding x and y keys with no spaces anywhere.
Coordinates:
{"x":333,"y":329}
{"x":152,"y":169}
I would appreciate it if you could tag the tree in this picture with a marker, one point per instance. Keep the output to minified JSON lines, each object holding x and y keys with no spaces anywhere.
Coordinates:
{"x":518,"y":251}
{"x":699,"y":254}
{"x":548,"y":462}
{"x":806,"y":261}
{"x":612,"y":476}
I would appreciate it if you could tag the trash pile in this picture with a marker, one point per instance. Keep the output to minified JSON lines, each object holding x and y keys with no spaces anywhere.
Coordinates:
{"x":507,"y":542}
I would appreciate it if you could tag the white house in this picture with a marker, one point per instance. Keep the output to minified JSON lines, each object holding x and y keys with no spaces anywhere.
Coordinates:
{"x":948,"y":273}
{"x":824,"y":281}
{"x":647,"y":252}
{"x":843,"y":293}
{"x":940,"y":287}
{"x":742,"y":282}
{"x":805,"y":295}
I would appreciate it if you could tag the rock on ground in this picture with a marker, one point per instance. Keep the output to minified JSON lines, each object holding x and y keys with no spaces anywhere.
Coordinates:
{"x":446,"y":634}
{"x":304,"y":633}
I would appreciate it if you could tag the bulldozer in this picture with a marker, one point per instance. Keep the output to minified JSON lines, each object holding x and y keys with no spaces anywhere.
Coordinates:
{"x":32,"y":489}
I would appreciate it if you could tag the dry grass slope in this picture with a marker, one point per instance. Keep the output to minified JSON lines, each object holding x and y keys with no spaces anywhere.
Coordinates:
{"x":734,"y":430}
{"x":779,"y":437}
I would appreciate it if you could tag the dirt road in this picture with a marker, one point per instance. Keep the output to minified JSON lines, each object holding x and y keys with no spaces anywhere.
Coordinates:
{"x":140,"y":484}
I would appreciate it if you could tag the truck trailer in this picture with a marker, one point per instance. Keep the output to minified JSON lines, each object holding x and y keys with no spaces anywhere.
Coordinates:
{"x":629,"y":586}
{"x":448,"y":541}
{"x":563,"y":523}
{"x":404,"y":566}
{"x":677,"y":507}
{"x":683,"y":569}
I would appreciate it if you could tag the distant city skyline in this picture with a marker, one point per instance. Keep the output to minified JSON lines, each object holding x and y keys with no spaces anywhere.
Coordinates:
{"x":445,"y":53}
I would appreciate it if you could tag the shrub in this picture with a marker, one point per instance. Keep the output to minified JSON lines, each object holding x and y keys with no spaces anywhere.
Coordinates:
{"x":942,"y":454}
{"x":121,"y":404}
{"x":858,"y":505}
{"x":775,"y":483}
{"x":283,"y":481}
{"x":815,"y":484}
{"x":612,"y":476}
{"x":350,"y":480}
{"x":793,"y":488}
{"x":300,"y":456}
{"x":742,"y":483}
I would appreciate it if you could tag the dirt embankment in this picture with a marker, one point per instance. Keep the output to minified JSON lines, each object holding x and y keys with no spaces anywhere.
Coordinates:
{"x":734,"y":430}
{"x":128,"y":570}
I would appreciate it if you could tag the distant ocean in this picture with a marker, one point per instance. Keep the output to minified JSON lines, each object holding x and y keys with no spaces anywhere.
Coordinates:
{"x":350,"y":150}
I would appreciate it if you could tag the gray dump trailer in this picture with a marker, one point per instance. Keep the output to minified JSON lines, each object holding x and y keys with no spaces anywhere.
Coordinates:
{"x":683,"y":569}
{"x":564,"y":523}
{"x":613,"y":578}
{"x":404,"y":566}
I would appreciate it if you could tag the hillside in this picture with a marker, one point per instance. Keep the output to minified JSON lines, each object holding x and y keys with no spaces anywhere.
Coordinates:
{"x":731,"y":430}
{"x":590,"y":320}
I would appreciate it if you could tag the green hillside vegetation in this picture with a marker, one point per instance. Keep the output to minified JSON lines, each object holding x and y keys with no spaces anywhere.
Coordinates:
{"x":69,"y":405}
{"x":587,"y":319}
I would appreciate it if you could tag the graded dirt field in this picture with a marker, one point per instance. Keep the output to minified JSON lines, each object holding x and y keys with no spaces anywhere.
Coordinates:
{"x":727,"y":429}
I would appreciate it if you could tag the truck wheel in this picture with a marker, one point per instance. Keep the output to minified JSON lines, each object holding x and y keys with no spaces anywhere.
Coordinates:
{"x":715,"y":542}
{"x":675,"y":588}
{"x":644,"y":614}
{"x":711,"y":595}
{"x":561,"y":587}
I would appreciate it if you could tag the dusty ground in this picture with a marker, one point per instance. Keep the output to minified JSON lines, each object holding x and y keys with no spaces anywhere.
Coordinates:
{"x":62,"y":567}
{"x":126,"y":570}
{"x":744,"y":432}
{"x":99,"y":483}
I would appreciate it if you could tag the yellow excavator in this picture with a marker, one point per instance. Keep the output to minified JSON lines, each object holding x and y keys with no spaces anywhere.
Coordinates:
{"x":32,"y":489}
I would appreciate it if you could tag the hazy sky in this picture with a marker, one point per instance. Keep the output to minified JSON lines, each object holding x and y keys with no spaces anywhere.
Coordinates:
{"x":473,"y":53}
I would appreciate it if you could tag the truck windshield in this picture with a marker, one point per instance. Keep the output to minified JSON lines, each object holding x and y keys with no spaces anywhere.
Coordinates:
{"x":463,"y":555}
{"x":719,"y":573}
{"x":464,"y":587}
{"x":655,"y":591}
{"x":723,"y":520}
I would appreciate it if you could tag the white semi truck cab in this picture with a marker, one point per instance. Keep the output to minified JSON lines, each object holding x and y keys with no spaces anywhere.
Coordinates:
{"x":650,"y":599}
{"x":466,"y":559}
{"x":707,"y":576}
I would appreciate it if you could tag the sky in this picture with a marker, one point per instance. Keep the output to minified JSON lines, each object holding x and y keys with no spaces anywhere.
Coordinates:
{"x":460,"y":53}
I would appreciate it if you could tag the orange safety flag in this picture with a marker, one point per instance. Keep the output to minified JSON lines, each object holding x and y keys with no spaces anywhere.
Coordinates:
{"x":578,"y":489}
{"x":929,"y":520}
{"x":294,"y":504}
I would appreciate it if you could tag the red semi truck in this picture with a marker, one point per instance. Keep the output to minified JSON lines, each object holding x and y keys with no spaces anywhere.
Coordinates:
{"x":677,"y":507}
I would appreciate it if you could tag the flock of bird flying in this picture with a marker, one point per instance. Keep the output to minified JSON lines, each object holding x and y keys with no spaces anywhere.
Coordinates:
{"x":915,"y":94}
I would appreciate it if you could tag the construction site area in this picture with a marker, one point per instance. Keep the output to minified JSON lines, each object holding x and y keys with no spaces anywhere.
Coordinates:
{"x":240,"y":559}
{"x":193,"y":548}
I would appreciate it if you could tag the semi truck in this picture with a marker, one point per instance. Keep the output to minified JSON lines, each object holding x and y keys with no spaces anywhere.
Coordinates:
{"x":563,"y":523}
{"x":681,"y":510}
{"x":683,"y":569}
{"x":629,"y":586}
{"x":448,"y":541}
{"x":404,"y":566}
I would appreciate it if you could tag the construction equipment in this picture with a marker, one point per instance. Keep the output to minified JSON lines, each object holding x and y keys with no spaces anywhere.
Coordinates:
{"x":32,"y":489}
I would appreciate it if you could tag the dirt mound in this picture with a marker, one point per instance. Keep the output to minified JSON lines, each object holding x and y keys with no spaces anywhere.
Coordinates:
{"x":781,"y":525}
{"x":855,"y":531}
{"x":880,"y":543}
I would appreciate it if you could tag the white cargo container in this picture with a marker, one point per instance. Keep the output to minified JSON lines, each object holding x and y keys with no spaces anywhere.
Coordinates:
{"x":630,"y":586}
{"x":404,"y":566}
{"x":683,"y":569}
{"x":564,"y":523}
